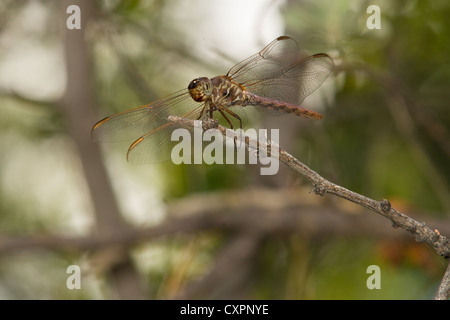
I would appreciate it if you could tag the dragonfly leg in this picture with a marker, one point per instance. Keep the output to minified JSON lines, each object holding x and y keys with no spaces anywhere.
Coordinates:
{"x":234,"y":115}
{"x":221,"y":110}
{"x":202,"y":113}
{"x":211,"y":112}
{"x":226,"y":118}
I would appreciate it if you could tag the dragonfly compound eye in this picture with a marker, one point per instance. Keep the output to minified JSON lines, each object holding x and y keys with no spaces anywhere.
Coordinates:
{"x":196,"y":90}
{"x":200,"y":89}
{"x":193,"y":84}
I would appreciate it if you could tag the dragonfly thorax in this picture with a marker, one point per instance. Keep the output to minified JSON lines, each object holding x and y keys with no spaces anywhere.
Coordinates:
{"x":200,"y":89}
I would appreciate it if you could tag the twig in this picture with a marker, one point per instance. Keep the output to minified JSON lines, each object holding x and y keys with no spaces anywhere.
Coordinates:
{"x":443,"y":292}
{"x":420,"y":230}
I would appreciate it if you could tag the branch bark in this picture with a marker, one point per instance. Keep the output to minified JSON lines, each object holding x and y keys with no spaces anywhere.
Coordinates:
{"x":443,"y":292}
{"x":322,"y":186}
{"x":422,"y":233}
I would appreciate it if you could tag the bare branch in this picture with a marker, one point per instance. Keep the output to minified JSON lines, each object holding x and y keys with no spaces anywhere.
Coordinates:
{"x":322,"y":186}
{"x":420,"y":230}
{"x":443,"y":292}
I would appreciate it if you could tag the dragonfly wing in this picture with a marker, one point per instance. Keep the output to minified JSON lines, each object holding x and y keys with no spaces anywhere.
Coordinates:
{"x":278,"y":72}
{"x":152,"y":147}
{"x":134,"y":123}
{"x":157,"y":145}
{"x":277,"y":55}
{"x":148,"y":127}
{"x":293,"y":83}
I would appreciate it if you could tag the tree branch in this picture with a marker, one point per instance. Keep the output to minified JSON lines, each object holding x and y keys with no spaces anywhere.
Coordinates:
{"x":420,"y":230}
{"x":255,"y":209}
{"x":322,"y":186}
{"x":443,"y":292}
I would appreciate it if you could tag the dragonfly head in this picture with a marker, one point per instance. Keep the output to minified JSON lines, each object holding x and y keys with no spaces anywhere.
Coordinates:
{"x":200,"y":89}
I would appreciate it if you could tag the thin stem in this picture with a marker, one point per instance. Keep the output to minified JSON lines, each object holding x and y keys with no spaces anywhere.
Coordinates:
{"x":443,"y":292}
{"x":322,"y":186}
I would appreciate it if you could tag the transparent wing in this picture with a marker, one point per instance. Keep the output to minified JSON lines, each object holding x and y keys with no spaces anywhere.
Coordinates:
{"x":157,"y":145}
{"x":132,"y":124}
{"x":277,"y":55}
{"x":148,"y":127}
{"x":278,"y":72}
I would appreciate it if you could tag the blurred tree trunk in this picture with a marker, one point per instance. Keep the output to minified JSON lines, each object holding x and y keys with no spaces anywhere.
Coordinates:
{"x":78,"y":103}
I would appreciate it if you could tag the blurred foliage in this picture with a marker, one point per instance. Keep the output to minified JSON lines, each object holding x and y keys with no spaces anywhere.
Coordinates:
{"x":361,"y":144}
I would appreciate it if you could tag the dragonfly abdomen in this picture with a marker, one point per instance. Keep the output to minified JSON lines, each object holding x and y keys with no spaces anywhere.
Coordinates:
{"x":282,"y":106}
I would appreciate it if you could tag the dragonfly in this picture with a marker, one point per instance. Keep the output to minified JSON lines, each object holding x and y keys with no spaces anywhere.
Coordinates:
{"x":277,"y":78}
